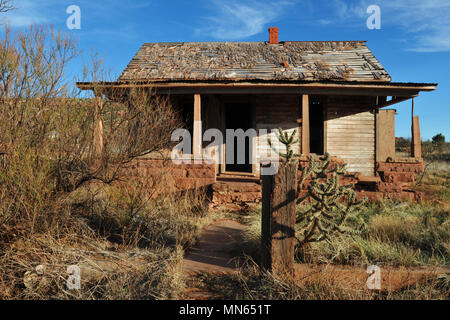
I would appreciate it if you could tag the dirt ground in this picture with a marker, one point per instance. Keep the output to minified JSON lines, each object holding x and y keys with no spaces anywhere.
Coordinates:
{"x":214,"y":254}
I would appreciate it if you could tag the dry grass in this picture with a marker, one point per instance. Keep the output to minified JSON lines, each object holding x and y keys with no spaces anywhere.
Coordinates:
{"x":435,"y":183}
{"x":60,"y":200}
{"x":107,"y":272}
{"x":394,"y":235}
{"x":126,"y":248}
{"x":250,"y":283}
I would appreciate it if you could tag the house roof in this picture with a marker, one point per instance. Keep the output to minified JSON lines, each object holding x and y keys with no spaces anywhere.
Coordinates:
{"x":238,"y":61}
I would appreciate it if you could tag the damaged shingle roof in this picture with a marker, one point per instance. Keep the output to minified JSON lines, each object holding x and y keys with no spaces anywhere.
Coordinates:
{"x":315,"y":61}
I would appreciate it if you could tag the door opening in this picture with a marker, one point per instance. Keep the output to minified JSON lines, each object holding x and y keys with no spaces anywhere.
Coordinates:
{"x":239,"y":116}
{"x":316,"y":119}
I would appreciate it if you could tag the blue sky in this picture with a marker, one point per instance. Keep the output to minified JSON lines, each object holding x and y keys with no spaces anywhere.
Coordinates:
{"x":413,"y":43}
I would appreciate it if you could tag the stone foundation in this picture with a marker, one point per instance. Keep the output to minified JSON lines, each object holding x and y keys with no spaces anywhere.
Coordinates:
{"x":172,"y":177}
{"x":393,"y":180}
{"x":397,"y":177}
{"x":237,"y":193}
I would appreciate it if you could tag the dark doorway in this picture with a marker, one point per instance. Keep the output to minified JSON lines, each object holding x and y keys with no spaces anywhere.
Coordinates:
{"x":316,"y":118}
{"x":239,"y":116}
{"x":187,"y":116}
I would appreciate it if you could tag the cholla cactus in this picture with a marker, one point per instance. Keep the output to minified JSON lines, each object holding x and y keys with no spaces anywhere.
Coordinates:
{"x":328,"y":204}
{"x":288,"y":141}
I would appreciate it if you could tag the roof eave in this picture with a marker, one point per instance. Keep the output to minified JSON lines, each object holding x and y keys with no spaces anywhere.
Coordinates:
{"x":305,"y":87}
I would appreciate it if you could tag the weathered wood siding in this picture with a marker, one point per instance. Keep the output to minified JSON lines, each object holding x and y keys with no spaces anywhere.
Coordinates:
{"x":350,"y":131}
{"x":273,"y":112}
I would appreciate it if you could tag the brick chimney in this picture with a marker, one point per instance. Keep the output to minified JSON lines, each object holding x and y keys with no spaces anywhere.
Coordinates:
{"x":273,"y":35}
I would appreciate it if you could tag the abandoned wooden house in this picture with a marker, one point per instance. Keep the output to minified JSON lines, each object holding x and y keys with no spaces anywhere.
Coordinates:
{"x":333,"y":93}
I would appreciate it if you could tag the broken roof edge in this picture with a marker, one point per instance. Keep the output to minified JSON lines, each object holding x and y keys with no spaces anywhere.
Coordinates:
{"x":114,"y":90}
{"x":250,"y":83}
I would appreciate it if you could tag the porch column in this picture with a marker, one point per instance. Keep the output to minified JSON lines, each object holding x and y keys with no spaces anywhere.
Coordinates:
{"x":416,"y":144}
{"x":305,"y":125}
{"x":416,"y":141}
{"x":197,"y":138}
{"x":98,"y":125}
{"x":223,"y":125}
{"x":385,"y":134}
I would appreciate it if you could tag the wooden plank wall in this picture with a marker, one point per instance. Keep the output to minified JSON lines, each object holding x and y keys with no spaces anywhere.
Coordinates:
{"x":350,"y":128}
{"x":273,"y":112}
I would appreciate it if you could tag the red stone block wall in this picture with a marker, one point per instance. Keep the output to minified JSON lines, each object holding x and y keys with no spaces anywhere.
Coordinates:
{"x":344,"y":180}
{"x":400,"y":167}
{"x":393,"y":180}
{"x":170,"y":176}
{"x":397,"y":179}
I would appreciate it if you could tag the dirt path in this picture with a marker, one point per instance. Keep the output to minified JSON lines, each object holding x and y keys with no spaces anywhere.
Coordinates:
{"x":213,"y":253}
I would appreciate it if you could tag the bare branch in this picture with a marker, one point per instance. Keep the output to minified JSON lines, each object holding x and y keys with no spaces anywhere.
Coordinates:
{"x":6,"y":5}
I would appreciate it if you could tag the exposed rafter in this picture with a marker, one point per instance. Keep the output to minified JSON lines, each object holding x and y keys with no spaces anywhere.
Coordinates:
{"x":395,"y":100}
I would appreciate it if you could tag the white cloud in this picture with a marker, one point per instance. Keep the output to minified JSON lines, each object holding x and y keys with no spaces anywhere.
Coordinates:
{"x":236,"y":19}
{"x":426,"y":20}
{"x":324,"y":21}
{"x":27,"y":12}
{"x":30,"y":12}
{"x":437,"y":41}
{"x":24,"y":20}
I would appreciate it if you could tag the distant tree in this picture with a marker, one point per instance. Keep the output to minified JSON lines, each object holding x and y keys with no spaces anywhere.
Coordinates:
{"x":402,"y":145}
{"x":438,"y":142}
{"x":439,"y":139}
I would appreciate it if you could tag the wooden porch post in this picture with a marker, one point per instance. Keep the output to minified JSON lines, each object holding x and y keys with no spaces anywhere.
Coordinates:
{"x":305,"y":125}
{"x":384,"y":135}
{"x":416,"y":141}
{"x":98,"y":125}
{"x":197,"y":138}
{"x":223,"y":124}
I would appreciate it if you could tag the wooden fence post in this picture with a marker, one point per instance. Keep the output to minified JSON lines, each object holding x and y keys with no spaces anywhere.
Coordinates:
{"x":278,"y":219}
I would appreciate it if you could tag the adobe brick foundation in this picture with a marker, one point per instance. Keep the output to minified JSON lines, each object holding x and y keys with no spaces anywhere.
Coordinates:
{"x":397,"y":177}
{"x":392,"y":181}
{"x":236,"y":193}
{"x":172,"y":177}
